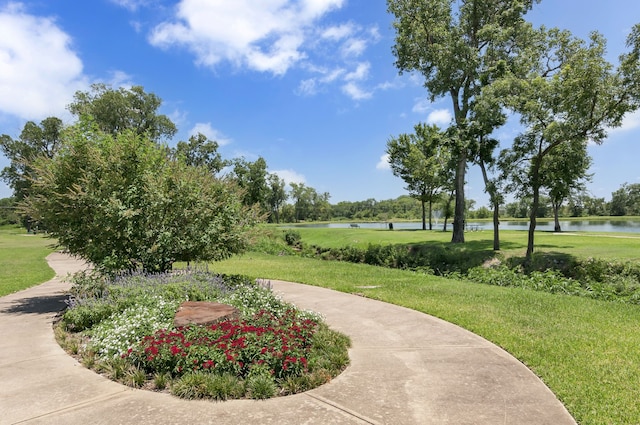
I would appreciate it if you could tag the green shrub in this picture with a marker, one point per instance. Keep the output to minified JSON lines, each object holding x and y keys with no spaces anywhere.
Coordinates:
{"x":293,"y":238}
{"x":193,"y":385}
{"x":226,"y":386}
{"x":261,"y":387}
{"x":85,"y":316}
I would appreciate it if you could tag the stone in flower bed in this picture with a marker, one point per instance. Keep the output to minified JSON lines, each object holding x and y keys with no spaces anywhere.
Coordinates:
{"x":204,"y":313}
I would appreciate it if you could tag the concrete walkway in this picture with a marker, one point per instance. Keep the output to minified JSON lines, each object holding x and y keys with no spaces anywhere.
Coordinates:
{"x":406,"y":368}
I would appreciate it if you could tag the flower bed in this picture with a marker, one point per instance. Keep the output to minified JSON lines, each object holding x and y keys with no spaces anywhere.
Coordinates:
{"x":123,"y":328}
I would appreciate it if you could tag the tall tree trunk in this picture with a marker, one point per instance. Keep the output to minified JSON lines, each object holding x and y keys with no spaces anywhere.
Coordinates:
{"x":447,"y":210}
{"x":424,"y":214}
{"x":535,"y":183}
{"x":430,"y":212}
{"x":458,"y":216}
{"x":496,"y":226}
{"x":493,"y":195}
{"x":556,"y":218}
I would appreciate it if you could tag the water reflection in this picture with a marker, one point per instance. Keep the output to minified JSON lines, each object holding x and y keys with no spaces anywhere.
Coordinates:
{"x":623,"y":226}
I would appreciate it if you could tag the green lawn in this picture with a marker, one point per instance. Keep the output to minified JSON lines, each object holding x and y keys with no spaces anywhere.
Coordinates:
{"x":22,"y":262}
{"x":512,"y":242}
{"x":586,"y":351}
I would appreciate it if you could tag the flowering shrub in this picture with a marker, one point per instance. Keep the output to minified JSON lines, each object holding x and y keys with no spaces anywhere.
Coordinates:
{"x":114,"y":336}
{"x":251,"y":300}
{"x":265,"y":344}
{"x":95,"y":297}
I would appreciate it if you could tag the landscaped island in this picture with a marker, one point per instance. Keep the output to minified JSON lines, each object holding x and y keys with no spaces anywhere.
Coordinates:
{"x":124,"y":328}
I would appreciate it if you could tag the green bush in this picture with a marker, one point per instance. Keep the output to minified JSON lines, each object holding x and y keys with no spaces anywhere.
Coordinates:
{"x":261,"y":387}
{"x":292,"y":238}
{"x":85,"y":316}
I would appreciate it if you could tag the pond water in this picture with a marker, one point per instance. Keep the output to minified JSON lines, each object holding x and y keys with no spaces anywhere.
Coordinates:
{"x":622,"y":226}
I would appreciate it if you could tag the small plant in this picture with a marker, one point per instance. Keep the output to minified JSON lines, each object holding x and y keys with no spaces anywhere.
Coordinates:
{"x":193,"y":385}
{"x":226,"y":386}
{"x":296,"y":384}
{"x":261,"y":387}
{"x":114,"y":369}
{"x":161,"y":380}
{"x":135,"y":377}
{"x":88,"y":359}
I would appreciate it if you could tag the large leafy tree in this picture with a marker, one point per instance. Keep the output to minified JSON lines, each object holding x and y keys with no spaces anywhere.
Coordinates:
{"x":117,"y":110}
{"x":35,"y":140}
{"x":308,"y":204}
{"x":422,"y":160}
{"x":626,"y":200}
{"x":121,"y":203}
{"x":252,"y":178}
{"x":276,"y":196}
{"x":459,"y":47}
{"x":570,"y":95}
{"x":199,"y":151}
{"x":564,"y":173}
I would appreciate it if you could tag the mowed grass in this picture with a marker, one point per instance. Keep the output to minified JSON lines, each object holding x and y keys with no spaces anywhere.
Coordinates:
{"x":586,"y":351}
{"x":22,"y":259}
{"x":624,"y":246}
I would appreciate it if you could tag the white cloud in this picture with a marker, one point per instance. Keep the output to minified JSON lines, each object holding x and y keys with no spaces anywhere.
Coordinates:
{"x":39,"y":71}
{"x":439,"y":116}
{"x":355,"y":92}
{"x":388,"y":85}
{"x":338,"y":32}
{"x":132,"y":5}
{"x":211,"y":133}
{"x":290,"y":176}
{"x":422,"y":106}
{"x":383,"y":164}
{"x":353,"y":47}
{"x":360,"y":73}
{"x":307,"y":87}
{"x":333,"y":75}
{"x":265,"y":36}
{"x":120,"y":79}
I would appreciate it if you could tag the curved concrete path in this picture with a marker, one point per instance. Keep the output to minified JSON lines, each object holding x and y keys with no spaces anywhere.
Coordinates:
{"x":406,"y":368}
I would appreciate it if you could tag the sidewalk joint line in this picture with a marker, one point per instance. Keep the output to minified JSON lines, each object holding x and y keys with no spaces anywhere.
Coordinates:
{"x":342,"y":409}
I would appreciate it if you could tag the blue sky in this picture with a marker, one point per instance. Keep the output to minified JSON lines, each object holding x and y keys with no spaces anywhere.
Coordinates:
{"x":309,"y":85}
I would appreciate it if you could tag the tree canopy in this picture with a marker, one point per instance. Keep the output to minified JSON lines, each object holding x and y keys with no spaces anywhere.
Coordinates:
{"x":423,"y":161}
{"x":569,"y":96}
{"x":199,"y":151}
{"x":119,"y":202}
{"x":35,"y":140}
{"x":117,"y":110}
